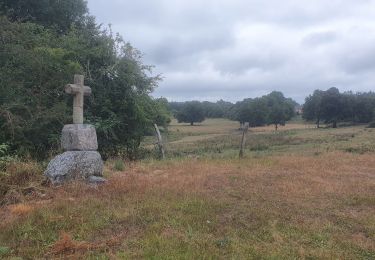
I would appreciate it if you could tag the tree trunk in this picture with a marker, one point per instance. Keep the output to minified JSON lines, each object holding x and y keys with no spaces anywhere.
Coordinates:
{"x":318,"y":123}
{"x":334,"y":125}
{"x":191,"y":123}
{"x":276,"y":127}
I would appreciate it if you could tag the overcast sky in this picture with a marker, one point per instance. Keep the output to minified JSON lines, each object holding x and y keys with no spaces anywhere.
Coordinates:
{"x":233,"y":49}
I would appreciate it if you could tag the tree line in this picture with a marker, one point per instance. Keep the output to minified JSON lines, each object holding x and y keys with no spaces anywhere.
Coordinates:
{"x":272,"y":109}
{"x":332,"y":107}
{"x":329,"y":107}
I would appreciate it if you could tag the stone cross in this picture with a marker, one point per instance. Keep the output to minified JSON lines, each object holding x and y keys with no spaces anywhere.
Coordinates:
{"x":78,"y":90}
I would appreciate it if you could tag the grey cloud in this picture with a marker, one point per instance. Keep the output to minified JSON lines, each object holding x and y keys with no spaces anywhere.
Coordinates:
{"x":319,"y":38}
{"x":358,"y":60}
{"x":173,"y":48}
{"x":233,"y":49}
{"x":117,"y":11}
{"x":239,"y":63}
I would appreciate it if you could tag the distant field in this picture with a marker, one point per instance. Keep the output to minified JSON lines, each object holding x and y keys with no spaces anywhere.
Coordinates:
{"x":224,"y":126}
{"x":179,"y":133}
{"x":299,"y":193}
{"x":220,"y":138}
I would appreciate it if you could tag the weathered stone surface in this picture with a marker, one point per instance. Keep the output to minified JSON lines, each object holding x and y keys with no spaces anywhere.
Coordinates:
{"x":74,"y":165}
{"x":79,"y":137}
{"x":95,"y":180}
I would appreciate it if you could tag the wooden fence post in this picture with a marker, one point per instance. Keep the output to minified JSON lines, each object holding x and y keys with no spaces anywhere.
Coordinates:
{"x":159,"y":141}
{"x":243,"y":140}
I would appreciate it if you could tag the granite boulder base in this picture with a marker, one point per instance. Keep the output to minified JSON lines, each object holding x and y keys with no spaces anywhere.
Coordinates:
{"x":75,"y":165}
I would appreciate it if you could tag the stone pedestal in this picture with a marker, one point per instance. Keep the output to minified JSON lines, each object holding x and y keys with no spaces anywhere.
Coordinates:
{"x":80,"y":161}
{"x":79,"y":137}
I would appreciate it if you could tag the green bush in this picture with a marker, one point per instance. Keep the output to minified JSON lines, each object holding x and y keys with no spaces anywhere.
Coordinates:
{"x":5,"y":157}
{"x":4,"y":250}
{"x":119,"y":165}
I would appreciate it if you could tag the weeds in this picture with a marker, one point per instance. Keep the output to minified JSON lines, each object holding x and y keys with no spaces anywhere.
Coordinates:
{"x":4,"y":251}
{"x":5,"y":157}
{"x":19,"y":180}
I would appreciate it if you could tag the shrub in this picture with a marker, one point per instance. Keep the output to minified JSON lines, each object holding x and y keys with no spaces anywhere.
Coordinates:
{"x":119,"y":165}
{"x":5,"y":157}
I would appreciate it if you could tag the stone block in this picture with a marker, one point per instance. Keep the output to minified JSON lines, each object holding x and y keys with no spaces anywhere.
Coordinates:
{"x":79,"y":137}
{"x":74,"y":165}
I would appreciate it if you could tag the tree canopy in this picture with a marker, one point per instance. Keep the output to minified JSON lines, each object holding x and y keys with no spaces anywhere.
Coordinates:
{"x":272,"y":109}
{"x":57,"y":14}
{"x":332,"y":107}
{"x":281,"y":109}
{"x":191,"y":112}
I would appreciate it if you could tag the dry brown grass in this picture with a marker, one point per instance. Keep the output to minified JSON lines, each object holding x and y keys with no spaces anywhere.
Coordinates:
{"x":67,"y":247}
{"x":21,"y":209}
{"x":20,"y":179}
{"x":292,"y":176}
{"x":311,"y":192}
{"x":283,"y":206}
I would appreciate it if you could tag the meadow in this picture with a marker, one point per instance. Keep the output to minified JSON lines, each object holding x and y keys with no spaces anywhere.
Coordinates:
{"x":298,"y":193}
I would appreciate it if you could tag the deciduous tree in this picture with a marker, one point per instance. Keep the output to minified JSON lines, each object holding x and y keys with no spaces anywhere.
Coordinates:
{"x":280,"y":109}
{"x":191,"y":112}
{"x":312,"y":110}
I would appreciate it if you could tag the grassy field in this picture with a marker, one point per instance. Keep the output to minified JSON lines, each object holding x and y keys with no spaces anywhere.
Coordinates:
{"x":219,"y":138}
{"x":299,"y":193}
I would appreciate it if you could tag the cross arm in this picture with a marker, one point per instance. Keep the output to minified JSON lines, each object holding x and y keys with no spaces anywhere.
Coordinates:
{"x":87,"y":91}
{"x":71,"y":89}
